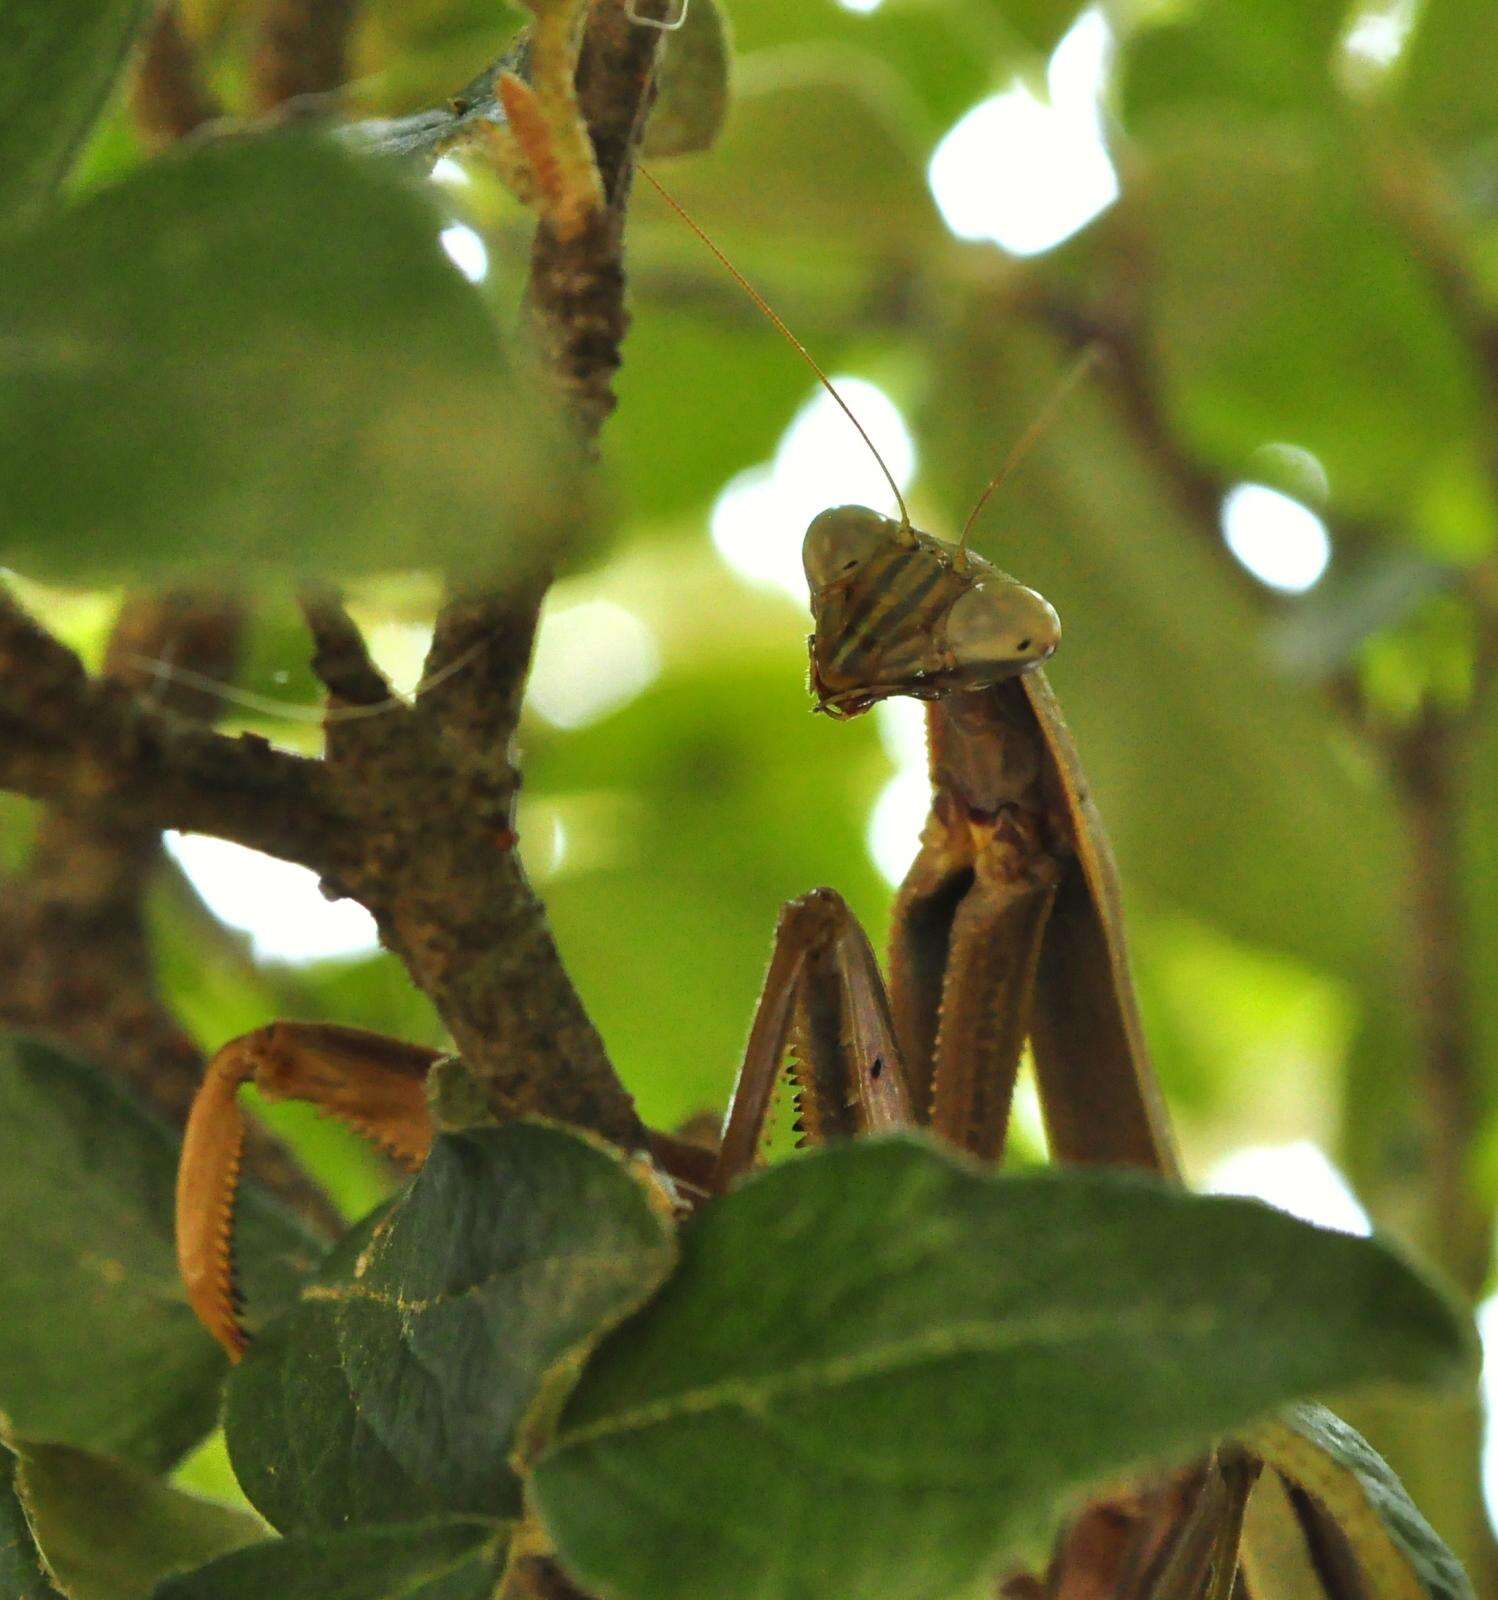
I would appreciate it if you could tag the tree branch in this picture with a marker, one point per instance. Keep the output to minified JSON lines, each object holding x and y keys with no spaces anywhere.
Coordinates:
{"x":303,"y":50}
{"x":410,"y":812}
{"x":68,"y":738}
{"x":170,"y":100}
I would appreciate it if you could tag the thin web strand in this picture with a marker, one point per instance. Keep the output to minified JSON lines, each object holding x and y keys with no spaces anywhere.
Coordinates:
{"x":294,"y":710}
{"x":780,"y":326}
{"x":1023,"y":445}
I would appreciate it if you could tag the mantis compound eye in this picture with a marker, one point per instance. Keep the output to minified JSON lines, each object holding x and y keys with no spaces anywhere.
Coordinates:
{"x":840,"y":540}
{"x":996,"y":629}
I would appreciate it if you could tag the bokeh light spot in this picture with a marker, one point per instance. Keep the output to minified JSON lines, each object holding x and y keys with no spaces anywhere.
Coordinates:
{"x":591,"y":659}
{"x":1027,"y":173}
{"x":278,"y":903}
{"x":446,"y":170}
{"x":1295,"y":1177}
{"x":895,"y":823}
{"x":760,"y":518}
{"x":466,"y":251}
{"x":1283,"y":543}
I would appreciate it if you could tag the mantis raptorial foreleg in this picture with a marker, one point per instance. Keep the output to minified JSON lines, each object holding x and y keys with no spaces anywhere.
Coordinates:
{"x":374,"y":1084}
{"x":823,"y":1002}
{"x":967,"y":937}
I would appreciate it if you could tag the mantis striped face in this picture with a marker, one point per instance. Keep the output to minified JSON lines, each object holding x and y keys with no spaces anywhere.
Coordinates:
{"x":900,"y":612}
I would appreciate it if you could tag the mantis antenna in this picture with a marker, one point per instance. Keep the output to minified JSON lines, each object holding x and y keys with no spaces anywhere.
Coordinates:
{"x":1022,"y":446}
{"x":785,"y":333}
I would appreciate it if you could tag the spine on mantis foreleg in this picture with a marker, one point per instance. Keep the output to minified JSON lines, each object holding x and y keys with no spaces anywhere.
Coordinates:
{"x":374,"y":1085}
{"x":207,"y":1183}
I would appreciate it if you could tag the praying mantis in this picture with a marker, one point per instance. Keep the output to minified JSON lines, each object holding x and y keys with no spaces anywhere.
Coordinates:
{"x":1007,"y":929}
{"x":1007,"y":933}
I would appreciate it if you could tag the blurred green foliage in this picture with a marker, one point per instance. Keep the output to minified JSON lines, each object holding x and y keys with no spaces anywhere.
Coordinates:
{"x":1304,"y":252}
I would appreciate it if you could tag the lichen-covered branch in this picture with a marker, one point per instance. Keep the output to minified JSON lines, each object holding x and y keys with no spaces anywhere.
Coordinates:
{"x":410,"y":812}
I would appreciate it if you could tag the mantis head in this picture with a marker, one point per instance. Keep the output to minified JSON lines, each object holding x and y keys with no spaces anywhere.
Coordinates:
{"x":896,"y":611}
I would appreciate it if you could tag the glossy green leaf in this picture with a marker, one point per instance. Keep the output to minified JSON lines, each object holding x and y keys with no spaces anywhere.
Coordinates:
{"x":1399,"y":1553}
{"x":448,"y":1558}
{"x":98,"y":1347}
{"x":22,"y":1575}
{"x":253,"y":356}
{"x":108,"y":1531}
{"x":396,"y":1388}
{"x":938,"y":59}
{"x":692,"y":85}
{"x":767,"y":170}
{"x":1284,"y":307}
{"x":58,"y":62}
{"x":881,"y":1325}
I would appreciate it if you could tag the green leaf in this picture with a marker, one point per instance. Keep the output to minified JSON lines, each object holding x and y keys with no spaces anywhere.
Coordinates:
{"x":1399,"y":1552}
{"x":58,"y":62}
{"x":1278,"y":55}
{"x":1446,"y":83}
{"x":253,"y":356}
{"x":98,"y":1347}
{"x":691,"y":85}
{"x":765,"y":177}
{"x":880,"y":1325}
{"x":108,"y":1531}
{"x":22,"y":1575}
{"x":396,"y":1388}
{"x":940,"y":58}
{"x":1285,"y":308}
{"x":445,"y":1558}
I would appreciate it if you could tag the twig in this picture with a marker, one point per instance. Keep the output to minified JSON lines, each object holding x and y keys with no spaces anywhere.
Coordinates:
{"x":576,"y":293}
{"x":341,"y":660}
{"x":487,"y":949}
{"x":1425,"y":761}
{"x":170,"y":100}
{"x":303,"y":50}
{"x":65,"y":737}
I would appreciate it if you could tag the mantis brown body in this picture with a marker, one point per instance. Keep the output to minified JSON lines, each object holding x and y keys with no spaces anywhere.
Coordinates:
{"x":1007,"y":931}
